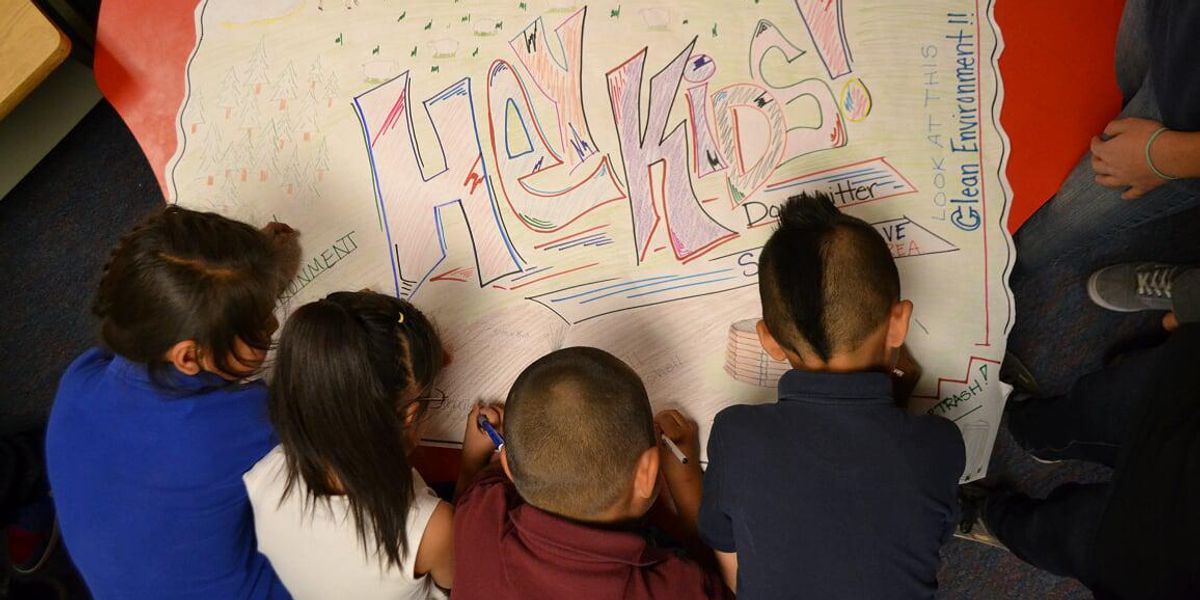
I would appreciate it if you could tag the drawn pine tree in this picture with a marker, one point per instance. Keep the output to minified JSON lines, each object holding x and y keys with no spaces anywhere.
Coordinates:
{"x":285,"y":88}
{"x":320,"y":163}
{"x":231,"y":95}
{"x":257,"y":68}
{"x":306,"y":184}
{"x":331,"y":91}
{"x":280,"y":132}
{"x":210,"y":156}
{"x":292,"y":181}
{"x":307,"y":125}
{"x":316,"y":75}
{"x":197,"y":106}
{"x":249,"y":117}
{"x":229,"y":192}
{"x":236,"y":162}
{"x":287,"y":130}
{"x":256,"y":164}
{"x":230,"y":162}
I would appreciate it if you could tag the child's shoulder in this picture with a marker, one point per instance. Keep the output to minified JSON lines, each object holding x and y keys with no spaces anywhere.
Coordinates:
{"x":939,"y":442}
{"x":92,"y":362}
{"x":938,"y":429}
{"x":82,"y":375}
{"x":743,"y":416}
{"x":269,"y":472}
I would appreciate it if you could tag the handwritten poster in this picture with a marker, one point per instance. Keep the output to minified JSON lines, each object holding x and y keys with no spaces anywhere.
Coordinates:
{"x":542,"y":173}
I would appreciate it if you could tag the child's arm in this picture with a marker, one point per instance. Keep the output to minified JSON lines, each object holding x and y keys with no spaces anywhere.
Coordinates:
{"x":906,"y":372}
{"x":686,"y":481}
{"x":286,"y":244}
{"x":478,"y":450}
{"x":435,"y":555}
{"x":727,"y":561}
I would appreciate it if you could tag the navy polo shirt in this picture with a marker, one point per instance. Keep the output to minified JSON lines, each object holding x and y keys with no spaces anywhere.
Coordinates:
{"x":833,"y":491}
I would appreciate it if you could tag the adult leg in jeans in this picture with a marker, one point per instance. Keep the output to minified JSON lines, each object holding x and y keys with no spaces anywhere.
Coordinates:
{"x":1084,"y":215}
{"x":1056,"y":533}
{"x":1084,"y":227}
{"x":1092,"y":420}
{"x":1084,"y":212}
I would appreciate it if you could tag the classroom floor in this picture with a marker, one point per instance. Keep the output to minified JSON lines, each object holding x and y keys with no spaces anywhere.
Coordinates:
{"x":56,"y":228}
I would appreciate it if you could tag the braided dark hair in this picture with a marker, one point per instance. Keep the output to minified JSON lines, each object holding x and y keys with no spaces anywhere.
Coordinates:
{"x":186,"y":275}
{"x":348,"y":368}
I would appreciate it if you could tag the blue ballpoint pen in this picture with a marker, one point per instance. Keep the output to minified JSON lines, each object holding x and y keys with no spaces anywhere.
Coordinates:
{"x":486,"y":426}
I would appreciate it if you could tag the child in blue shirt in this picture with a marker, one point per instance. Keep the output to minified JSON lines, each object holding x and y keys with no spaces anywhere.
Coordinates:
{"x":150,"y":434}
{"x":833,"y":491}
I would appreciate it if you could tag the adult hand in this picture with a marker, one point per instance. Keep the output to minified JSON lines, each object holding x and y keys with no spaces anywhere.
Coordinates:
{"x":1119,"y":161}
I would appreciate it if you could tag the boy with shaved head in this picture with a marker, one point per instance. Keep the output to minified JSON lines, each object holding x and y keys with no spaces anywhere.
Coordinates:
{"x":833,"y":491}
{"x":580,"y":468}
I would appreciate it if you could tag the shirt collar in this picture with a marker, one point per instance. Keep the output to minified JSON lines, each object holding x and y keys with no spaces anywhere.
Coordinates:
{"x":869,"y":387}
{"x":171,"y":381}
{"x":552,"y":535}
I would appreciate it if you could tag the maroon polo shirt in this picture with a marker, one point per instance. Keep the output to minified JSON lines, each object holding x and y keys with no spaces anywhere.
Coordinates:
{"x":505,"y":549}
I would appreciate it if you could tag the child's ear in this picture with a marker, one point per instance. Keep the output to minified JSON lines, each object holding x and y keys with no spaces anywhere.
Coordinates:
{"x":898,"y":321}
{"x":645,"y":478}
{"x":772,"y":346}
{"x":410,"y":412}
{"x":185,"y":356}
{"x":504,"y":463}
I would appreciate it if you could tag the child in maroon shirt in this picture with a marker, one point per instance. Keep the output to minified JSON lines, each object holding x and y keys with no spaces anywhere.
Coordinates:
{"x":581,"y":465}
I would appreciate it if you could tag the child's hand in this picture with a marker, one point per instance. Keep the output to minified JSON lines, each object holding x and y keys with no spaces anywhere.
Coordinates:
{"x":477,"y":446}
{"x":682,"y":431}
{"x":286,"y":242}
{"x":685,"y":481}
{"x":906,"y":372}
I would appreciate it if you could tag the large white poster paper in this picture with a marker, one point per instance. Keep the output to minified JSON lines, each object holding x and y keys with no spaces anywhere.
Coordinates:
{"x":542,"y":173}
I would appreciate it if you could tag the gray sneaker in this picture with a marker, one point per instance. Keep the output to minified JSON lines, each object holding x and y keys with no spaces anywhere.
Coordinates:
{"x":1130,"y":287}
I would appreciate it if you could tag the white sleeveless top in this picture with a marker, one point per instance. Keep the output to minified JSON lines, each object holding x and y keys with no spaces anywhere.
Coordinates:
{"x":316,"y":552}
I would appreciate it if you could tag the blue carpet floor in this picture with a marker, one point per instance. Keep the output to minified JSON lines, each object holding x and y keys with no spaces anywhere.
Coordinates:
{"x":57,"y":227}
{"x":59,"y":224}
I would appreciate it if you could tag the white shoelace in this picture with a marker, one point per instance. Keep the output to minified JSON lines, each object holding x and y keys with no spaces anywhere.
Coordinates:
{"x":1156,"y":282}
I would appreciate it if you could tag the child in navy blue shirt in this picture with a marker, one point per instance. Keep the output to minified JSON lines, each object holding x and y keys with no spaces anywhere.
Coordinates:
{"x":150,"y":434}
{"x":833,"y":491}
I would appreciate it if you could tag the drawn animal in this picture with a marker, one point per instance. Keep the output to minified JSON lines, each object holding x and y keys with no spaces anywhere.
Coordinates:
{"x":444,"y":48}
{"x":380,"y":70}
{"x":485,"y":26}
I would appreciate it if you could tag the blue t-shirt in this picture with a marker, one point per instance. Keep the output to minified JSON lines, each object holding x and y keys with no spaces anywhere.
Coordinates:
{"x":148,"y":481}
{"x":832,"y":492}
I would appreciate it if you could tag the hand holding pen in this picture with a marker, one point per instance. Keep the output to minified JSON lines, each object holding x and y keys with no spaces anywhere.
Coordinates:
{"x":483,"y":433}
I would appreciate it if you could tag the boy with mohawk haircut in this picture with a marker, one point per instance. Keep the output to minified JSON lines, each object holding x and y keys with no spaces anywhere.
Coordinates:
{"x":833,"y":491}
